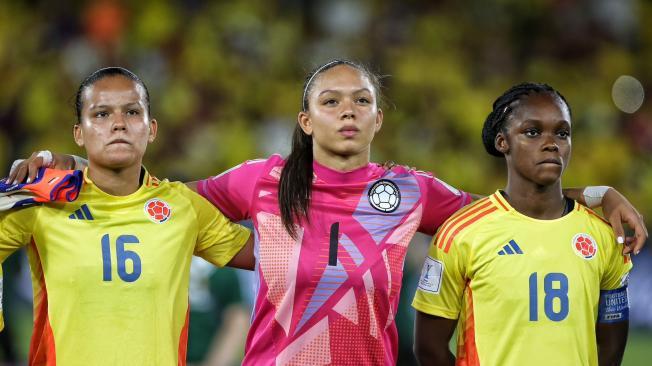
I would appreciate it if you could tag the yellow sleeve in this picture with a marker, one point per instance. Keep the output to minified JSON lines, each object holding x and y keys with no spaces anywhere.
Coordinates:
{"x":16,"y":229}
{"x":617,"y":265}
{"x":2,"y":319}
{"x":443,"y":278}
{"x":15,"y":232}
{"x":218,"y":239}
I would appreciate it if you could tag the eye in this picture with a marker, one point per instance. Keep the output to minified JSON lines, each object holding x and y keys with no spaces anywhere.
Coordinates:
{"x":564,"y":134}
{"x":532,"y":132}
{"x":133,"y":112}
{"x":101,"y":114}
{"x":329,"y":102}
{"x":364,"y":100}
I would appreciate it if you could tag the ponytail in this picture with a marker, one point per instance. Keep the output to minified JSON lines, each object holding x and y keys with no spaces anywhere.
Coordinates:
{"x":295,"y":185}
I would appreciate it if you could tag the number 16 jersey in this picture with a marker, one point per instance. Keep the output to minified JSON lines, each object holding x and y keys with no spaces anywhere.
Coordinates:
{"x":525,"y":291}
{"x":110,"y":274}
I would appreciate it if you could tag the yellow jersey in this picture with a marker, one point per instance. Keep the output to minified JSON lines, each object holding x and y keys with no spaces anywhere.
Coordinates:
{"x":110,"y":274}
{"x":525,"y":291}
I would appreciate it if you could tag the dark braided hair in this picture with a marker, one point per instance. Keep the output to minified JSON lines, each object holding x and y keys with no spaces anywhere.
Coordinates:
{"x":295,"y":185}
{"x":101,"y":74}
{"x":503,"y":109}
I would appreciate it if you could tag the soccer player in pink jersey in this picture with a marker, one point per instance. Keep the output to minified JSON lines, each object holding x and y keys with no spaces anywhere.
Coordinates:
{"x":332,"y":229}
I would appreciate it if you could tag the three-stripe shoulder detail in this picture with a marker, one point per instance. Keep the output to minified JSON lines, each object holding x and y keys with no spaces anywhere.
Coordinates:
{"x":464,"y":219}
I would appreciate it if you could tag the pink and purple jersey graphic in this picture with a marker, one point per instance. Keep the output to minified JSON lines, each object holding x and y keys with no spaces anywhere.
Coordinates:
{"x":329,"y":297}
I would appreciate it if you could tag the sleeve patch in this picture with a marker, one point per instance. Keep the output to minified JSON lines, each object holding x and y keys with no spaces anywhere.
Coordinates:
{"x":430,"y":280}
{"x":614,"y":306}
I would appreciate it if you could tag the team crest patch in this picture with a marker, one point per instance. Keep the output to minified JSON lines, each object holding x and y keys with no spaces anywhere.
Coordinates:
{"x":157,"y":210}
{"x":384,"y":196}
{"x":585,"y":246}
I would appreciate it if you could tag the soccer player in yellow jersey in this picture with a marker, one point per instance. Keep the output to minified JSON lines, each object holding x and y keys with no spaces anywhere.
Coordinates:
{"x":110,"y":270}
{"x":528,"y":276}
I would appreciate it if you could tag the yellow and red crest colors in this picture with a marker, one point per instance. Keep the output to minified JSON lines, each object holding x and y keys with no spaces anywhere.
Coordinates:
{"x":158,"y":210}
{"x":584,"y":246}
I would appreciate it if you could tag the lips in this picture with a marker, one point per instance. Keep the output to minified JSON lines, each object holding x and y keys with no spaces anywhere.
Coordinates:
{"x":349,"y":129}
{"x":551,"y":161}
{"x":119,"y":141}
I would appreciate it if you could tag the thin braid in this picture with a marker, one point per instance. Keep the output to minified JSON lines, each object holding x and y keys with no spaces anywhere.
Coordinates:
{"x":503,"y":108}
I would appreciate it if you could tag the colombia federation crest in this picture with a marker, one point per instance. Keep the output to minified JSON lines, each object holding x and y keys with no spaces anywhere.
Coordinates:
{"x":157,"y":210}
{"x":584,"y":246}
{"x":384,"y":196}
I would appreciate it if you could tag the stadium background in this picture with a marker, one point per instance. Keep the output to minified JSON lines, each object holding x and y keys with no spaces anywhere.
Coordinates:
{"x":226,"y":77}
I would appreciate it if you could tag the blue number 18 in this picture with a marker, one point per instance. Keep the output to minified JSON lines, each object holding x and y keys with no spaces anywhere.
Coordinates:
{"x":551,"y":294}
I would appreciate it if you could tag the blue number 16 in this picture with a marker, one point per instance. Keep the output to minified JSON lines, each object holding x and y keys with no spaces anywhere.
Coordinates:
{"x":551,"y":294}
{"x":122,"y":256}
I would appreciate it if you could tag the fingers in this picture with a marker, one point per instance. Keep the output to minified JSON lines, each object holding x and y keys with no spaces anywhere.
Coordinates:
{"x":14,"y":168}
{"x":640,"y":234}
{"x":617,"y":225}
{"x":25,"y":170}
{"x":637,"y":242}
{"x":33,"y":167}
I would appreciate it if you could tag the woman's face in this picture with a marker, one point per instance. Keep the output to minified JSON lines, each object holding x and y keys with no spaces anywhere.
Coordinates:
{"x":537,"y":142}
{"x":343,"y":114}
{"x":115,"y":127}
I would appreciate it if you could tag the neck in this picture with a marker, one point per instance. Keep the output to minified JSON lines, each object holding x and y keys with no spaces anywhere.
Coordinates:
{"x":342,"y":163}
{"x":116,"y":182}
{"x":536,"y":201}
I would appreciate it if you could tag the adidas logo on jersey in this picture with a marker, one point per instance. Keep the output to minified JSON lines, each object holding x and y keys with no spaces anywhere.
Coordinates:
{"x":510,"y":248}
{"x":82,"y":213}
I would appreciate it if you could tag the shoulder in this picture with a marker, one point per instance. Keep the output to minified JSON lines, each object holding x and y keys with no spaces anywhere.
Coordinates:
{"x":254,"y":167}
{"x":597,"y":226}
{"x":425,"y":178}
{"x":593,"y":217}
{"x":472,"y":219}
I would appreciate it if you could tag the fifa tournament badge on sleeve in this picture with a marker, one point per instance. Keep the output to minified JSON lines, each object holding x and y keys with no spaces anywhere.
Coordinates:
{"x":431,"y":273}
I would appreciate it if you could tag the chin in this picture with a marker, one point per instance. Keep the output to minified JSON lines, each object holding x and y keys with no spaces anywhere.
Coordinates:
{"x":119,"y":162}
{"x":548,"y":179}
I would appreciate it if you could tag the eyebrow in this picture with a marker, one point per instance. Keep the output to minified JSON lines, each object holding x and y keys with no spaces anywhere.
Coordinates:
{"x":336,"y":91}
{"x":108,"y":106}
{"x":532,"y":120}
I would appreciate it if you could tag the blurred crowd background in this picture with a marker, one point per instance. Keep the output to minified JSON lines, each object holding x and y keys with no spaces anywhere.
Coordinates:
{"x":225,"y":79}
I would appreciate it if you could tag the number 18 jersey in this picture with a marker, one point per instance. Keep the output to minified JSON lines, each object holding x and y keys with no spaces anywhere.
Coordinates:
{"x":525,"y":291}
{"x":110,"y":274}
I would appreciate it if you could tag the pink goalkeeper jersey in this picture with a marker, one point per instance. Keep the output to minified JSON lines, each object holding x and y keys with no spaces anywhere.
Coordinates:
{"x":330,"y":296}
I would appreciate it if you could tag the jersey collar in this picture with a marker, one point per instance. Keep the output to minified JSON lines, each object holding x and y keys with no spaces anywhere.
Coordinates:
{"x":335,"y":176}
{"x":145,"y":180}
{"x":503,"y":205}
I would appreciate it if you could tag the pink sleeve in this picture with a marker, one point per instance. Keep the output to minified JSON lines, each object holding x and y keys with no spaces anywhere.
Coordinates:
{"x":440,"y":201}
{"x":231,"y":192}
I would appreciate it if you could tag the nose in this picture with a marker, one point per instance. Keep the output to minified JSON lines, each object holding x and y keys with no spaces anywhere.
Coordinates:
{"x":550,"y":144}
{"x":119,"y":123}
{"x":348,"y":110}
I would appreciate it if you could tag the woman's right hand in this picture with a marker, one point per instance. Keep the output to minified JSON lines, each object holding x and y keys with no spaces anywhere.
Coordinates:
{"x":27,"y":168}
